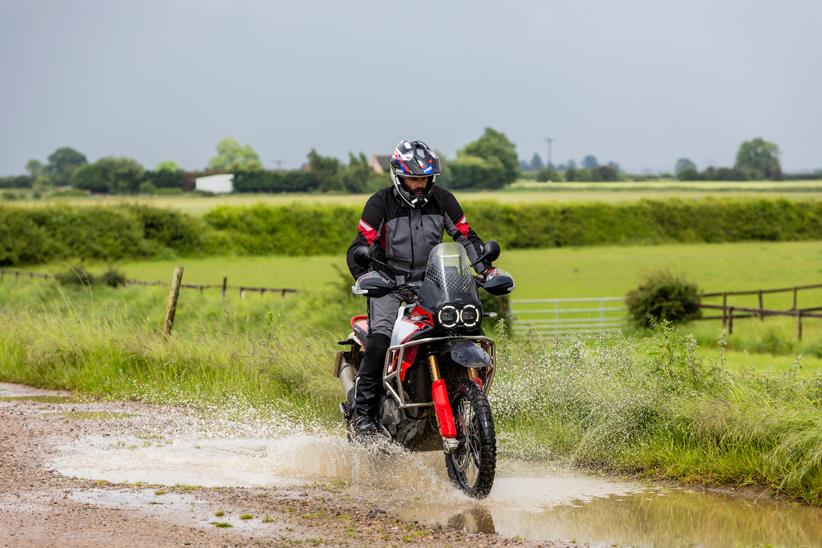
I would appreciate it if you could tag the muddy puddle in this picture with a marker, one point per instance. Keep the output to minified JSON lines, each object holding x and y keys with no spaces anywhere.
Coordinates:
{"x":153,"y":446}
{"x":534,"y":501}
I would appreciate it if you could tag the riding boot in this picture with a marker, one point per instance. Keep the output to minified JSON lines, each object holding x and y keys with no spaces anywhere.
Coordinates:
{"x":369,"y":384}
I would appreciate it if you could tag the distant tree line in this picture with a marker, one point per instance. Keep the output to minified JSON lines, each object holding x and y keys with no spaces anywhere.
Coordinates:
{"x":489,"y":162}
{"x":756,"y":159}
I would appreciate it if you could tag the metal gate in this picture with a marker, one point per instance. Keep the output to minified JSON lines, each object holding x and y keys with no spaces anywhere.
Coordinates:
{"x":568,"y":316}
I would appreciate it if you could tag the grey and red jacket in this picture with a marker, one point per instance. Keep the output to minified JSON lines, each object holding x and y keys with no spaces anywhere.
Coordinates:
{"x":402,"y":236}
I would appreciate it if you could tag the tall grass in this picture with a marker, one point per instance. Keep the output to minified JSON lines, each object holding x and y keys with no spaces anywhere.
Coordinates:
{"x":648,"y":406}
{"x":652,"y":406}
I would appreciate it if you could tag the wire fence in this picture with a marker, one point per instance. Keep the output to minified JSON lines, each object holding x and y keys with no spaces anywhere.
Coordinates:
{"x":224,"y":288}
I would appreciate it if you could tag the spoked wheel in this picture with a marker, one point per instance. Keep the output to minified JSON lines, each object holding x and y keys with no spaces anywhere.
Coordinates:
{"x":473,"y":464}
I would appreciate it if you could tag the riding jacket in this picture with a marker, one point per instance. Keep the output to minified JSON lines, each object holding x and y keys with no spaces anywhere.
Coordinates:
{"x":402,"y":236}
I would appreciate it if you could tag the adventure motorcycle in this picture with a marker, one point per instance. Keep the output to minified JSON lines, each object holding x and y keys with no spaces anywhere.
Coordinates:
{"x":440,"y":365}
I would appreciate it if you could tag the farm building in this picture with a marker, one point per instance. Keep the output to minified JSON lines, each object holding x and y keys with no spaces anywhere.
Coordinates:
{"x":379,"y":163}
{"x":217,"y":184}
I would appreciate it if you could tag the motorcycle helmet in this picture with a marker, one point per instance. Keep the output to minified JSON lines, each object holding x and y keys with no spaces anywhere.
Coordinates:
{"x":413,"y":159}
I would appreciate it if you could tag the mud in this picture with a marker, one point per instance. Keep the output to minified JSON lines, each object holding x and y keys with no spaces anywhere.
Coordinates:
{"x":40,"y":506}
{"x":91,"y":473}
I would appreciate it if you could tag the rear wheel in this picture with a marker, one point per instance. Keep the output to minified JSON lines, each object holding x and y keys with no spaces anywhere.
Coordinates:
{"x":473,"y":464}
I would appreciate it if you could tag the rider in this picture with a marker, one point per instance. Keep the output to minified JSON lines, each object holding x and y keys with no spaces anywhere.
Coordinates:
{"x":402,"y":224}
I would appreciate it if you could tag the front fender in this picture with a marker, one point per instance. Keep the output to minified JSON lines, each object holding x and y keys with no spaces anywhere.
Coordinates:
{"x":468,"y":354}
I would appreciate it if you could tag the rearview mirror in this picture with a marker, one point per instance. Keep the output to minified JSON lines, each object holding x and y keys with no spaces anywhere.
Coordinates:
{"x":362,"y":255}
{"x":490,"y":252}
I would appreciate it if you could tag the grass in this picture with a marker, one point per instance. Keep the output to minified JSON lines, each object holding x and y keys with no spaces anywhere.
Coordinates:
{"x":546,"y":273}
{"x":654,"y":406}
{"x":543,"y":273}
{"x":519,"y":192}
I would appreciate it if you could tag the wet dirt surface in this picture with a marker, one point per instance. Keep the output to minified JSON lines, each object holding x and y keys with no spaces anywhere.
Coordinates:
{"x":100,"y":473}
{"x":40,"y":506}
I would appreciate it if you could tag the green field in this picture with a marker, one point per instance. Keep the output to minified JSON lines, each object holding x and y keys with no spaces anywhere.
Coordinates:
{"x":547,"y":273}
{"x":588,"y":272}
{"x":520,"y":192}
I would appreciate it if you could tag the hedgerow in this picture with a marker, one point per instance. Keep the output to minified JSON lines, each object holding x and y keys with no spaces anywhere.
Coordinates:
{"x":37,"y":235}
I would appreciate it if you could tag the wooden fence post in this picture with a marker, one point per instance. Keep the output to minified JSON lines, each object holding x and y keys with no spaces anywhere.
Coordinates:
{"x":799,"y":325}
{"x":731,"y":321}
{"x":724,"y":309}
{"x":794,"y":298}
{"x":761,"y":307}
{"x":225,"y":284}
{"x":171,"y":304}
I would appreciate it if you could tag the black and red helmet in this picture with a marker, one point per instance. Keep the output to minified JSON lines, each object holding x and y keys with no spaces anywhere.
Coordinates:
{"x":414,"y":159}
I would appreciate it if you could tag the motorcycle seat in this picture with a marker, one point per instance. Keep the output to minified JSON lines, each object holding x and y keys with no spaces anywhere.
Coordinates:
{"x":360,"y":326}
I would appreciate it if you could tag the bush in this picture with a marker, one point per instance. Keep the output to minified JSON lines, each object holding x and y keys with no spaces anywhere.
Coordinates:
{"x":38,"y":235}
{"x":147,"y":187}
{"x":75,"y":275}
{"x":112,"y":278}
{"x":110,"y":175}
{"x":276,"y":181}
{"x":16,"y":181}
{"x":661,"y":297}
{"x":477,"y":173}
{"x":501,"y":304}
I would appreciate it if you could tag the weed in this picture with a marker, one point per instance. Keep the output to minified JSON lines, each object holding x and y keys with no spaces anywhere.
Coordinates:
{"x":221,"y":524}
{"x":219,"y":514}
{"x":246,"y":516}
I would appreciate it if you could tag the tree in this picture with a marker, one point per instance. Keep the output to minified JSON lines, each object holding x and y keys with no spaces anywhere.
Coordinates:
{"x":110,"y":176}
{"x":590,"y":162}
{"x":536,"y":162}
{"x":495,"y":145}
{"x":233,"y":156}
{"x":167,"y":165}
{"x":759,"y":158}
{"x":62,"y":163}
{"x":548,"y":174}
{"x":469,"y":171}
{"x":609,"y":172}
{"x":684,"y":165}
{"x":35,"y":168}
{"x":354,"y":177}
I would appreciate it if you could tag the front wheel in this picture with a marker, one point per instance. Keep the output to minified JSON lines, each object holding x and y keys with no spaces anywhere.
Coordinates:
{"x":472,"y":466}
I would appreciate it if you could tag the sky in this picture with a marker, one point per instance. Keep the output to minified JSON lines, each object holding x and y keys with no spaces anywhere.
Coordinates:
{"x":638,"y":82}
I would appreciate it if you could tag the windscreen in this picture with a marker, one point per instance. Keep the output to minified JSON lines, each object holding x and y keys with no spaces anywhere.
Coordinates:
{"x":448,"y":277}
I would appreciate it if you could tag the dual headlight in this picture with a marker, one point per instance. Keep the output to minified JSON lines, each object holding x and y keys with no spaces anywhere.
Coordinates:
{"x":450,"y":316}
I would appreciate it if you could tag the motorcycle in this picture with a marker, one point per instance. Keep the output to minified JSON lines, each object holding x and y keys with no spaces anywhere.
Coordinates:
{"x":440,"y":365}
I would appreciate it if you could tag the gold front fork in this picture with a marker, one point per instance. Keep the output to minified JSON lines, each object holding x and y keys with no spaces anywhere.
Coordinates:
{"x":435,"y":368}
{"x":472,"y":374}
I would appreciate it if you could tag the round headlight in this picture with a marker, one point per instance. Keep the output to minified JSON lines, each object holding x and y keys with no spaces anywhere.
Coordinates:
{"x":470,"y":315}
{"x":448,"y":316}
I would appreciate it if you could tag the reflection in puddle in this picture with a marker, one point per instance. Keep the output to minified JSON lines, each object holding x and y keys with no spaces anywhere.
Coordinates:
{"x":656,"y":517}
{"x":528,"y":500}
{"x":474,"y":520}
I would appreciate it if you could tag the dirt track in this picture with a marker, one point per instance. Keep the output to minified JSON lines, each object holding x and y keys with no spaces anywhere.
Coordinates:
{"x":40,"y":507}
